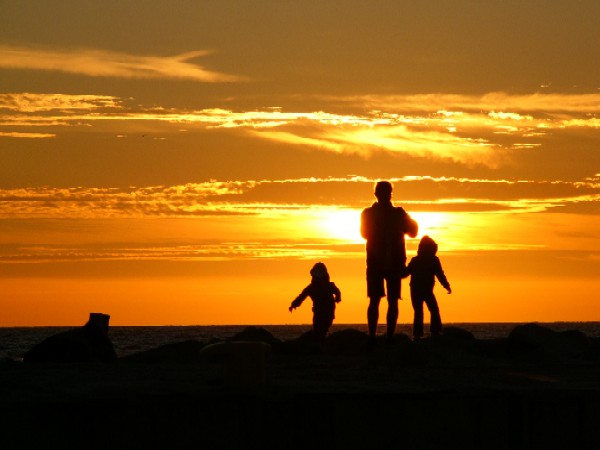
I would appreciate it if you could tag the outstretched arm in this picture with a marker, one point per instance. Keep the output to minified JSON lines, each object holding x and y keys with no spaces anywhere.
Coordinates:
{"x":298,"y":300}
{"x":439,"y":273}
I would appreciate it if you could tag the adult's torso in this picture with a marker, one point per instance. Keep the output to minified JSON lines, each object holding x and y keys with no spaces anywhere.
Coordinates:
{"x":384,"y":228}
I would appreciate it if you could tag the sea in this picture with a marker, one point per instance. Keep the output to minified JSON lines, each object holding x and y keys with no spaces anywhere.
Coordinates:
{"x":15,"y":341}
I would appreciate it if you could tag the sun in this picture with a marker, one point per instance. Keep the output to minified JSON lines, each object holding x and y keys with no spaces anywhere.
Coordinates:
{"x":341,"y":224}
{"x":430,"y":223}
{"x":344,"y":224}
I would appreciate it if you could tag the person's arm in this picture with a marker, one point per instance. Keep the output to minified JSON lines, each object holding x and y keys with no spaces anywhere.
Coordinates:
{"x":439,"y":273}
{"x":412,"y":227}
{"x":366,"y":228}
{"x":408,"y":269}
{"x":337,"y":294}
{"x":298,"y":300}
{"x":406,"y":223}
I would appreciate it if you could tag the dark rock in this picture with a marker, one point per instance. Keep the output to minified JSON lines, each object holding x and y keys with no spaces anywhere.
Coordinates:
{"x":346,"y":342}
{"x":458,"y":333}
{"x":89,"y":343}
{"x":255,"y":334}
{"x":177,"y":352}
{"x":305,"y":344}
{"x":532,"y":338}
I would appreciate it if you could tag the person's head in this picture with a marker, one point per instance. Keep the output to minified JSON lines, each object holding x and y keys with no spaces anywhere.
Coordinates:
{"x":383,"y":191}
{"x":319,"y":272}
{"x":427,"y":247}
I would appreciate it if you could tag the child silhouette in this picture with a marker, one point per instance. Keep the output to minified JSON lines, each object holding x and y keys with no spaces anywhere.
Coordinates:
{"x":324,"y":295}
{"x":423,"y":269}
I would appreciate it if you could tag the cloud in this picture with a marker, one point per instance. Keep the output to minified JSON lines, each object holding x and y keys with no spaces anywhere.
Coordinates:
{"x":269,"y":198}
{"x":177,"y":251}
{"x":104,"y":63}
{"x":493,"y":101}
{"x":33,"y":102}
{"x":16,"y":134}
{"x":487,"y":130}
{"x":284,"y":219}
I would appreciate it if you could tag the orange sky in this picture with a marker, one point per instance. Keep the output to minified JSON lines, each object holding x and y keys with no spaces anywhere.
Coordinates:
{"x":188,"y":164}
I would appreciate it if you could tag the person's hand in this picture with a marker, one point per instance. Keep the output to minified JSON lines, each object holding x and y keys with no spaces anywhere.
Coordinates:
{"x":449,"y":290}
{"x":291,"y":308}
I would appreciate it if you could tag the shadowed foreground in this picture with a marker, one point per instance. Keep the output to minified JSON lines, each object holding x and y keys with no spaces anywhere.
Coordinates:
{"x":534,"y":389}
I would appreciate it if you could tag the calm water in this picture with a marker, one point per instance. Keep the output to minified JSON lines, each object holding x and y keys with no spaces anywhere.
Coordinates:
{"x":15,"y":341}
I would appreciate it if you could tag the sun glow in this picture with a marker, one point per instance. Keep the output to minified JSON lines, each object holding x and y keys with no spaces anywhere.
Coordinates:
{"x":344,"y":224}
{"x":430,"y":223}
{"x":341,"y":224}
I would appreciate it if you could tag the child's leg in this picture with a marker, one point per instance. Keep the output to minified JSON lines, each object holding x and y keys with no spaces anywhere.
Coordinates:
{"x":321,"y":324}
{"x":417,"y":305}
{"x":434,"y":310}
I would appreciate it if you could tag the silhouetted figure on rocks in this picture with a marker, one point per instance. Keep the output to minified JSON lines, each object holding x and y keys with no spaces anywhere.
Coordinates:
{"x":324,"y":295}
{"x":384,"y":225}
{"x":423,"y":269}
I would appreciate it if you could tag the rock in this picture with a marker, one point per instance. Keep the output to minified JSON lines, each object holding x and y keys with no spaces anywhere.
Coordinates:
{"x":89,"y":343}
{"x":244,"y":362}
{"x":305,"y":344}
{"x":346,"y":342}
{"x":177,"y":352}
{"x":533,"y":338}
{"x":255,"y":334}
{"x":458,"y":333}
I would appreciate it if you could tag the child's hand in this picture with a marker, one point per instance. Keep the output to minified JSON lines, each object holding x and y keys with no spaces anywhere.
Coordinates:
{"x":449,"y":290}
{"x":291,"y":308}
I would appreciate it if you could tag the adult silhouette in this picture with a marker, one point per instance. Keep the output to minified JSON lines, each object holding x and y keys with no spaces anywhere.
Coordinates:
{"x":384,"y":225}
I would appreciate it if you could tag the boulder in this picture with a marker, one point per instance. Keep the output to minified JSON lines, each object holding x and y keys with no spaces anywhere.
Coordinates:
{"x":458,"y":333}
{"x":89,"y":343}
{"x":346,"y":342}
{"x":534,"y":339}
{"x":176,"y":352}
{"x":255,"y":334}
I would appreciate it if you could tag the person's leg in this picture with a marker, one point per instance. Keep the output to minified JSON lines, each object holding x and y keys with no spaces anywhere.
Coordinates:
{"x":319,"y":327}
{"x":434,"y":310}
{"x":375,"y":291}
{"x":392,"y":317}
{"x":417,"y":305}
{"x":373,"y":316}
{"x":393,"y":281}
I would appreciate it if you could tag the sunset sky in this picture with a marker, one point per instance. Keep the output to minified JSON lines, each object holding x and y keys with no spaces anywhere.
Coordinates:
{"x":181,"y":163}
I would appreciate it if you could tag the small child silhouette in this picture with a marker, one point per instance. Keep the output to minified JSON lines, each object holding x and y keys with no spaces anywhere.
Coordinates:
{"x":324,"y":295}
{"x":423,"y":269}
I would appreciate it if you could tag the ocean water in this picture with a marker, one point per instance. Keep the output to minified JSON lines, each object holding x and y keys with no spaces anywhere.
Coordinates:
{"x":14,"y":341}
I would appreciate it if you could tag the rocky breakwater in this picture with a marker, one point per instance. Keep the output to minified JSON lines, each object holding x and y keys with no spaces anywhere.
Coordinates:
{"x":536,"y":388}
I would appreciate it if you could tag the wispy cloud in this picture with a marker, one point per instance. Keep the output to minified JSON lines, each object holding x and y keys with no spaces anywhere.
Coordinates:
{"x":269,"y":198}
{"x":486,"y":130}
{"x":305,"y":218}
{"x":19,"y":135}
{"x":104,"y":63}
{"x":395,"y":139}
{"x":493,"y":101}
{"x":34,"y":102}
{"x":180,"y":252}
